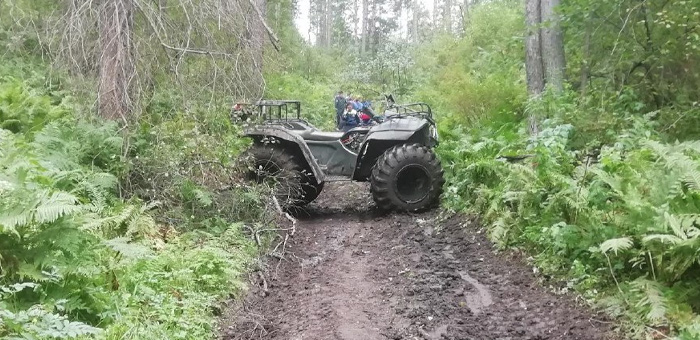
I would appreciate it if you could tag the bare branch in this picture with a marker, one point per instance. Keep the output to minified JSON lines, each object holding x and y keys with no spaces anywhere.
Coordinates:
{"x":273,"y":38}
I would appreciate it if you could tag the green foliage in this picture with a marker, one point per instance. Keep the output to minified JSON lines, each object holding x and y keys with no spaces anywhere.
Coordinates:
{"x":24,"y":109}
{"x":604,"y":197}
{"x":316,"y":95}
{"x":79,"y":259}
{"x":479,"y":77}
{"x":632,"y":214}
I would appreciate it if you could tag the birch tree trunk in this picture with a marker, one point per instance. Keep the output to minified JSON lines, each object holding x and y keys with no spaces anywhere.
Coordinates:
{"x":116,"y":64}
{"x":534,"y":68}
{"x":552,"y":46}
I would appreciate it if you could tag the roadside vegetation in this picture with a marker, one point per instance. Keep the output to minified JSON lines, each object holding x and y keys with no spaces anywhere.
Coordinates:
{"x":112,"y":234}
{"x":606,"y":196}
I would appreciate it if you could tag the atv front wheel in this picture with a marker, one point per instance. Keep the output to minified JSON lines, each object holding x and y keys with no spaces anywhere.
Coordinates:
{"x":407,"y":178}
{"x":279,"y":168}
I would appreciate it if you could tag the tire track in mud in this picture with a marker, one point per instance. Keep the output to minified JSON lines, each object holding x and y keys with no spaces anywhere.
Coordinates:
{"x":360,"y":275}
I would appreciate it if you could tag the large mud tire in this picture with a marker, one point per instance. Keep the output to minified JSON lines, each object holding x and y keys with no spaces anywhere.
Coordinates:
{"x":407,"y":177}
{"x":292,"y":183}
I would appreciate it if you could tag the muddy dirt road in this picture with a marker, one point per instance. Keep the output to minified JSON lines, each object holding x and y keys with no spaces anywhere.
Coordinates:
{"x":360,"y":275}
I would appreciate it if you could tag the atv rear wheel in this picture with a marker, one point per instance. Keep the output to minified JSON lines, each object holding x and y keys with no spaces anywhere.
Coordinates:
{"x":276,"y":166}
{"x":407,"y":178}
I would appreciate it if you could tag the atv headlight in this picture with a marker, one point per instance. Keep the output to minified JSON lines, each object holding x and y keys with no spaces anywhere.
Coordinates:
{"x":434,"y":132}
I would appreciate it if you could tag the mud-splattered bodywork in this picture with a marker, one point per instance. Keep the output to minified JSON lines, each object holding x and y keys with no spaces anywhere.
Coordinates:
{"x":351,"y":154}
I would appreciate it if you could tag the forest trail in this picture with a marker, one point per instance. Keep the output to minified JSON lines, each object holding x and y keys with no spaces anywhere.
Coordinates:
{"x":356,"y":274}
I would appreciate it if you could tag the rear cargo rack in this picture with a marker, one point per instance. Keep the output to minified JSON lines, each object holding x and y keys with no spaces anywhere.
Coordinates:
{"x":279,"y":110}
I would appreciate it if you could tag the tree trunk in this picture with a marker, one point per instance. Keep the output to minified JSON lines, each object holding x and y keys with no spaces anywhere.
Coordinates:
{"x":323,"y":34}
{"x":586,"y":62}
{"x":552,"y":46}
{"x":365,"y":26}
{"x":372,"y":38}
{"x":534,"y":68}
{"x":330,"y":19}
{"x":448,"y":16}
{"x":465,"y":16}
{"x":116,"y":67}
{"x":257,"y":44}
{"x":435,"y":13}
{"x":356,"y":17}
{"x":415,"y":8}
{"x":321,"y":29}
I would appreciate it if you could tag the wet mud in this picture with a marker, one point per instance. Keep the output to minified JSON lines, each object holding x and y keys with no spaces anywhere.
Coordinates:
{"x":352,"y":273}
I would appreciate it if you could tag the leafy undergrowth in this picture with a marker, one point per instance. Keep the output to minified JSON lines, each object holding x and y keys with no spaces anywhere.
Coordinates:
{"x":113,"y":235}
{"x":619,"y":225}
{"x":604,"y":199}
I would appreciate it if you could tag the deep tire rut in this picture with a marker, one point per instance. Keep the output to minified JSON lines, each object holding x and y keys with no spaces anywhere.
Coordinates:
{"x":360,"y":275}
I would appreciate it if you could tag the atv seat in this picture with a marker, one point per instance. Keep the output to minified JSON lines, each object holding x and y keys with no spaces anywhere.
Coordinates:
{"x":321,"y":135}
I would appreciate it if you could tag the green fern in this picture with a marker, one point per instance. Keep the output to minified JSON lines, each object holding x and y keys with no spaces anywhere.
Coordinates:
{"x":127,"y":248}
{"x":676,"y":160}
{"x":616,"y":245}
{"x":652,"y":299}
{"x":681,"y":247}
{"x":56,"y":205}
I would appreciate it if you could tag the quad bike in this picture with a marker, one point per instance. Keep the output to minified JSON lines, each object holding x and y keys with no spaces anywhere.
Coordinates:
{"x":395,"y":155}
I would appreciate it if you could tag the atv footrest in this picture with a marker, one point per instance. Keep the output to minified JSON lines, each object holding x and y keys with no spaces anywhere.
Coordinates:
{"x":338,"y":179}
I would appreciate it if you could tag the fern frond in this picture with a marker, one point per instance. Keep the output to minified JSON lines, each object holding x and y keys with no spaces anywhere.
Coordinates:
{"x":142,"y":225}
{"x":616,"y":245}
{"x":663,"y":238}
{"x":124,"y":246}
{"x":689,"y":220}
{"x":499,"y":231}
{"x":55,"y":206}
{"x":17,"y":217}
{"x":103,"y":180}
{"x":151,"y":205}
{"x":652,"y":299}
{"x":691,"y":178}
{"x":676,"y":160}
{"x":91,"y":220}
{"x":613,"y":182}
{"x":126,"y":214}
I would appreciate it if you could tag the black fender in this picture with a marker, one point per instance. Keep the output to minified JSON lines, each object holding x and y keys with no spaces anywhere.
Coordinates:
{"x":262,"y":134}
{"x":391,"y":132}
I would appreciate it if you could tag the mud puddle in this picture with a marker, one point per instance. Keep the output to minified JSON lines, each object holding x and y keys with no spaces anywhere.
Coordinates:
{"x":358,"y":275}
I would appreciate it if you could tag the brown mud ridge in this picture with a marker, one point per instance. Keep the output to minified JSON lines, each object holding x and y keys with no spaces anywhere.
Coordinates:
{"x":356,"y":274}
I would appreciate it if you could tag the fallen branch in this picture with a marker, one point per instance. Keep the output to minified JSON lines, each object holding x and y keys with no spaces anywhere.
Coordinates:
{"x":195,"y":51}
{"x":286,"y":215}
{"x":264,"y":283}
{"x":273,"y":38}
